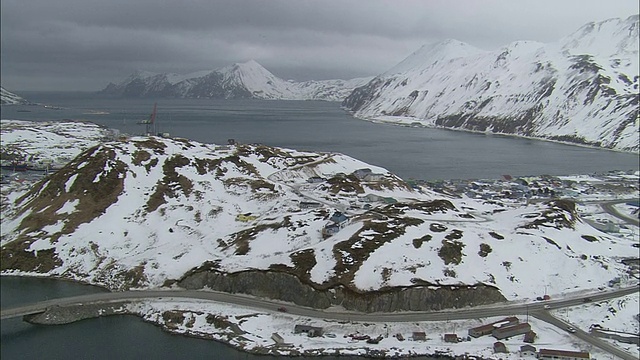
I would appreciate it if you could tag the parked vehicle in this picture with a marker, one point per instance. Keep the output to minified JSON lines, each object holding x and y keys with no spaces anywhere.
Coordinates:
{"x":282,"y":309}
{"x":547,"y":307}
{"x":571,"y":330}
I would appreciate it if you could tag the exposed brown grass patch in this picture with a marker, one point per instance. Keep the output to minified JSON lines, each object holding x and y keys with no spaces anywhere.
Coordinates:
{"x":350,"y":254}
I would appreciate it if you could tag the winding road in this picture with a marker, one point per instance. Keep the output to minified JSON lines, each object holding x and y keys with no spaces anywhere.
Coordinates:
{"x":536,"y":309}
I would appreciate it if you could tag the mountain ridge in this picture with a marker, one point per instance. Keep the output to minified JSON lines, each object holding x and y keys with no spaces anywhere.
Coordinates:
{"x":581,"y":89}
{"x":9,"y":98}
{"x":247,"y":80}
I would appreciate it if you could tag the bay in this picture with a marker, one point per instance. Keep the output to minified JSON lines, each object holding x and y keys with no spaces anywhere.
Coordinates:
{"x":417,"y":153}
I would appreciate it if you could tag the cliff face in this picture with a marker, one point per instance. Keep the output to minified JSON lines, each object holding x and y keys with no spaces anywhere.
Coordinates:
{"x":287,"y":287}
{"x":582,"y":89}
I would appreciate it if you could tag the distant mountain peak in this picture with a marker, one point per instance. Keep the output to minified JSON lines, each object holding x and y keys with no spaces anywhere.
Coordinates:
{"x":445,"y":50}
{"x":242,"y":80}
{"x":582,"y":88}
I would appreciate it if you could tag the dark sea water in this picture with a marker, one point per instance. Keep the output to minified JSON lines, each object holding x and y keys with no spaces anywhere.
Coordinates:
{"x":418,"y":153}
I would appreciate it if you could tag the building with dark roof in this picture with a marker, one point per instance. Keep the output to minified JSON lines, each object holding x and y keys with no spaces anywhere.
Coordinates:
{"x":488,"y":328}
{"x":504,"y":332}
{"x":528,"y":350}
{"x":563,"y":354}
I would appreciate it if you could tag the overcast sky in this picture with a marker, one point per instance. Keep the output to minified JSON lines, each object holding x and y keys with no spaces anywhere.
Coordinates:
{"x":84,"y":44}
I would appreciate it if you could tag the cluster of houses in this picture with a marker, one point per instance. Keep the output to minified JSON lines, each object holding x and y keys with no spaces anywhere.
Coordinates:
{"x":523,"y":188}
{"x":507,"y":327}
{"x":511,"y":326}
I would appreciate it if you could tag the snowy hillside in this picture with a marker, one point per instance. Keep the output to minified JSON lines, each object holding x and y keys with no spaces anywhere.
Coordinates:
{"x":581,"y":89}
{"x":9,"y":98}
{"x":147,"y":212}
{"x":238,"y":81}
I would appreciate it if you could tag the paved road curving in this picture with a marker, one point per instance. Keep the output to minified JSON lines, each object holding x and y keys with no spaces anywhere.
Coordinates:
{"x":504,"y":309}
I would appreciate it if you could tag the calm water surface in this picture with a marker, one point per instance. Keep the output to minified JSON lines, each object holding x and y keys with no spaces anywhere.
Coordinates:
{"x":418,"y":153}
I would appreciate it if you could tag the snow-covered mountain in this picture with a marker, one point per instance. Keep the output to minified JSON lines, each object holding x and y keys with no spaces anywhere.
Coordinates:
{"x":148,"y":212}
{"x":248,"y":80}
{"x":9,"y":98}
{"x":582,"y":88}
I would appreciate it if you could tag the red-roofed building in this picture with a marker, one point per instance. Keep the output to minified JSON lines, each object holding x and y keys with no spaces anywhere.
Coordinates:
{"x":563,"y":354}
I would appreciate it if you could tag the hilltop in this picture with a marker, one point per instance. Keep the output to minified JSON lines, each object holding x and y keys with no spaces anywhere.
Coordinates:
{"x":148,"y":212}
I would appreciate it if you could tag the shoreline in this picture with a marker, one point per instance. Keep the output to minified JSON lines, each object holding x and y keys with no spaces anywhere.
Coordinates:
{"x":399,"y":122}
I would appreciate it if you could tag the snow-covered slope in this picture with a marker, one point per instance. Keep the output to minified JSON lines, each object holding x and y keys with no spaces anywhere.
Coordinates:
{"x":583,"y":88}
{"x":9,"y":98}
{"x":237,"y":81}
{"x":145,"y":211}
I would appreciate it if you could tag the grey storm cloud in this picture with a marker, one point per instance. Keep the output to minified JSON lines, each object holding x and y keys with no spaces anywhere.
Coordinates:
{"x":84,"y":44}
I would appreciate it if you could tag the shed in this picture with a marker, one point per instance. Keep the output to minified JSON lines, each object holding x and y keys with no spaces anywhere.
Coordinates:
{"x":530,"y":337}
{"x":417,"y":336}
{"x":277,"y":338}
{"x":451,"y":338}
{"x":311,"y":331}
{"x":499,"y":347}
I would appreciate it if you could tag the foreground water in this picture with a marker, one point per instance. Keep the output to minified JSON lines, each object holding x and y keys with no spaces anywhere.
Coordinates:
{"x":418,"y":153}
{"x":108,"y":338}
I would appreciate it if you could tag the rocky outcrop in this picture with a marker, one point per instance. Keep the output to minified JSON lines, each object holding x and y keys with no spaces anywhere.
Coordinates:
{"x":58,"y":315}
{"x":287,"y":287}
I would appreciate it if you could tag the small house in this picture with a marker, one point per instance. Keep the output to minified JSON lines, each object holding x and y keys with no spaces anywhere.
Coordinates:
{"x":311,"y":331}
{"x":374,"y":177}
{"x":417,"y":336}
{"x":361,"y":173}
{"x":499,"y":347}
{"x":330,"y":230}
{"x":504,"y":332}
{"x":528,"y":350}
{"x":371,"y":198}
{"x":246,"y":217}
{"x":315,"y":180}
{"x":389,"y":200}
{"x":451,"y":338}
{"x":309,"y":204}
{"x":562,"y":354}
{"x":339,"y":219}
